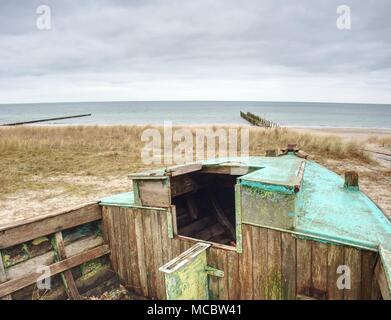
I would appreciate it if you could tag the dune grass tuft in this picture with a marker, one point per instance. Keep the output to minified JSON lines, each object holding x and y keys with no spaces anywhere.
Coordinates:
{"x":28,"y":153}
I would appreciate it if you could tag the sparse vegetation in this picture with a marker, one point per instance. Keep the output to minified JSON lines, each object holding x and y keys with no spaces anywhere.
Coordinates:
{"x":29,"y":154}
{"x":384,"y":142}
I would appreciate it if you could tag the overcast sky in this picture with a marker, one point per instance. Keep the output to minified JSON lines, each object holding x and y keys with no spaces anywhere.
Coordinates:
{"x":195,"y":50}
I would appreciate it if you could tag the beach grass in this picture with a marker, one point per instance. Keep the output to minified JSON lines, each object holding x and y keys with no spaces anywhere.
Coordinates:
{"x":31,"y":153}
{"x":384,"y":142}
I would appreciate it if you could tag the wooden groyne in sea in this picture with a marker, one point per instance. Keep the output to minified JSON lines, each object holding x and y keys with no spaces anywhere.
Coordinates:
{"x":258,"y":121}
{"x":47,"y":119}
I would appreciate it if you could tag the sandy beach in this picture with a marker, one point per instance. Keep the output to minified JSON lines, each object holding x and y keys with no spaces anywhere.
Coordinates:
{"x":46,"y":169}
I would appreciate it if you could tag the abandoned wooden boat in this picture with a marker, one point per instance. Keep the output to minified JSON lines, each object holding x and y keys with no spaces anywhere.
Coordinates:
{"x":241,"y":228}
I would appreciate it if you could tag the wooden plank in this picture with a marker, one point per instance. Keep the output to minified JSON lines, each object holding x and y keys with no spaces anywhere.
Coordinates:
{"x":191,"y":206}
{"x":381,"y":280}
{"x":3,"y":277}
{"x":212,"y":260}
{"x":77,"y":247}
{"x":139,"y":228}
{"x":220,"y":215}
{"x":133,"y":268}
{"x":108,"y":232}
{"x":183,"y":169}
{"x":155,"y":193}
{"x":274,"y":276}
{"x":70,"y":285}
{"x":222,"y":264}
{"x":55,"y":268}
{"x":353,"y":261}
{"x":149,"y":253}
{"x":52,"y":224}
{"x":369,"y":287}
{"x":303,"y":256}
{"x":182,"y":184}
{"x":210,"y":232}
{"x":259,"y":240}
{"x":335,"y":258}
{"x":288,"y":251}
{"x":233,"y":275}
{"x":116,"y":216}
{"x":124,"y":240}
{"x":195,"y":226}
{"x":246,"y":265}
{"x":319,"y":270}
{"x":158,"y":254}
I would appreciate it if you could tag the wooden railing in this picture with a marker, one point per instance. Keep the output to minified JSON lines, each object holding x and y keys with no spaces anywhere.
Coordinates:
{"x":26,"y":246}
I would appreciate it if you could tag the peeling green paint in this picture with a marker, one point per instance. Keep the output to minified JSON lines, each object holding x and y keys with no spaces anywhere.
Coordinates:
{"x":40,"y":240}
{"x":211,"y":271}
{"x":187,"y":280}
{"x":263,"y":188}
{"x":238,"y":218}
{"x":170,"y":227}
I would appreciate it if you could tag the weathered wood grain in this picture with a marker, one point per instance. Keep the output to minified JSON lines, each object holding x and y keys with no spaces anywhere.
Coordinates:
{"x":335,"y":258}
{"x":353,"y":261}
{"x":303,"y":257}
{"x":319,"y":270}
{"x":35,"y":229}
{"x":288,"y":251}
{"x":259,"y":240}
{"x":246,"y":265}
{"x":274,"y":276}
{"x":369,"y":287}
{"x":382,"y":280}
{"x":55,"y":268}
{"x":70,"y":285}
{"x":212,"y":260}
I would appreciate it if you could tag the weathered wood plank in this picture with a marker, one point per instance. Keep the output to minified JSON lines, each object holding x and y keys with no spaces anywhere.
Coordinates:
{"x":149,"y":253}
{"x":70,"y":285}
{"x":182,"y":184}
{"x":116,"y":215}
{"x":3,"y":277}
{"x":212,"y":260}
{"x":369,"y":287}
{"x":222,"y":264}
{"x":246,"y":265}
{"x":29,"y":231}
{"x":124,"y":239}
{"x":191,"y":206}
{"x":288,"y":248}
{"x":303,"y":281}
{"x":274,"y":276}
{"x":47,"y":258}
{"x":133,"y":269}
{"x":233,"y":275}
{"x":183,"y":169}
{"x":319,"y":270}
{"x":381,"y":280}
{"x":353,"y":261}
{"x":109,"y":234}
{"x":220,"y":215}
{"x":154,"y":193}
{"x":259,"y":240}
{"x":141,"y":259}
{"x":335,"y":258}
{"x":158,"y":254}
{"x":55,"y":268}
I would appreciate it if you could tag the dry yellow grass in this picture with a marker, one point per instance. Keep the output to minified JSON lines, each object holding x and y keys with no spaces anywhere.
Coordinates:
{"x":384,"y":142}
{"x":31,"y":153}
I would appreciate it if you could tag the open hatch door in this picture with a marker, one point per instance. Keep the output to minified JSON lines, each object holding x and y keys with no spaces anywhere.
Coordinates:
{"x":186,"y":275}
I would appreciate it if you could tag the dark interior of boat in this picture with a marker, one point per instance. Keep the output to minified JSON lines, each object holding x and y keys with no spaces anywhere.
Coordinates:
{"x":208,"y":211}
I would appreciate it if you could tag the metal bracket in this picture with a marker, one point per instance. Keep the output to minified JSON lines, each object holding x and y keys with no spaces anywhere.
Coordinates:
{"x":214,"y":272}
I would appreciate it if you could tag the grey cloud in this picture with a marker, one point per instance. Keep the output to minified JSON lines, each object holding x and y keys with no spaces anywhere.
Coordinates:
{"x":204,"y":39}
